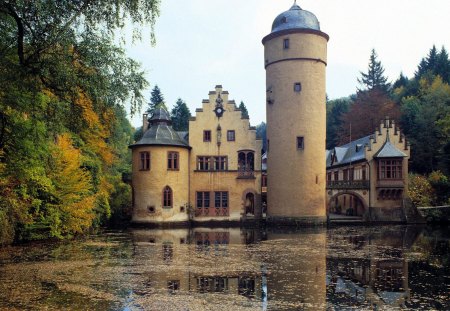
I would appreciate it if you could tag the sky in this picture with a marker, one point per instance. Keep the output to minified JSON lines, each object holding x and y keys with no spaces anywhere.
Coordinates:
{"x":202,"y":43}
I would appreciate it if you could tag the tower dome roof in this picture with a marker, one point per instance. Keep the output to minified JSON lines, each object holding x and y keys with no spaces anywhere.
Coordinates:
{"x":161,"y":132}
{"x":160,"y":115}
{"x":295,"y":18}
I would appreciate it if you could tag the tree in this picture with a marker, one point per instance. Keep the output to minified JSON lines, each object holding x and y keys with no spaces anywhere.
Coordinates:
{"x":443,"y":65}
{"x":374,"y":78}
{"x":425,"y":121}
{"x":261,"y":133}
{"x":428,"y":64}
{"x":156,"y":99}
{"x":180,"y":116}
{"x":244,"y":111}
{"x":436,"y":63}
{"x":420,"y":190}
{"x":365,"y":114}
{"x":63,"y":130}
{"x":335,"y":111}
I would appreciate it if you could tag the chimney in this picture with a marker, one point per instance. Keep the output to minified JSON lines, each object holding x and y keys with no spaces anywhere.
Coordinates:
{"x":144,"y":122}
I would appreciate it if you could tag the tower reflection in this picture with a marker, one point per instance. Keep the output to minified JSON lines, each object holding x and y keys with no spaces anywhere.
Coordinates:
{"x":312,"y":269}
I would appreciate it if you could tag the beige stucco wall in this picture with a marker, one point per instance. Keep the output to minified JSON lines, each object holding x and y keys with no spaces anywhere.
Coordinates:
{"x":148,"y":185}
{"x":296,"y":178}
{"x":380,"y":209}
{"x":387,"y":209}
{"x":245,"y":139}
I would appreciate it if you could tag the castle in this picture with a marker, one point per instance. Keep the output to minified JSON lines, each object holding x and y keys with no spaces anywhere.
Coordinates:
{"x":210,"y":174}
{"x":216,"y":173}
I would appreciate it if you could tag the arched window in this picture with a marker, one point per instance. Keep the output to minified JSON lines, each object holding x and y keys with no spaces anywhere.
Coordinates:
{"x":167,"y":197}
{"x":246,"y":163}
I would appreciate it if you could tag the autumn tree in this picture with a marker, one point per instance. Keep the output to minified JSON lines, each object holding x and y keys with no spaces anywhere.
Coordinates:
{"x":180,"y":116}
{"x":64,"y":79}
{"x":371,"y":104}
{"x":365,"y":114}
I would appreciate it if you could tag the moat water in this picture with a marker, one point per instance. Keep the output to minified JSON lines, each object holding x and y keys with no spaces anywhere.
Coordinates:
{"x":346,"y":268}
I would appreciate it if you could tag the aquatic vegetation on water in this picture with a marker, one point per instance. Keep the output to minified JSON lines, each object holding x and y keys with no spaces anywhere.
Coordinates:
{"x":232,"y":269}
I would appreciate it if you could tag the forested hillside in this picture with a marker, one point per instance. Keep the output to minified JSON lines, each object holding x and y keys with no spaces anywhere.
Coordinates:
{"x":64,"y":86}
{"x":421,"y":107}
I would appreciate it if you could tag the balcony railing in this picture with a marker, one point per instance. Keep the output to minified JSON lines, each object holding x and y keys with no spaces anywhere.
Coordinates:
{"x":390,"y":183}
{"x":246,"y":173}
{"x":211,"y":211}
{"x":348,"y":184}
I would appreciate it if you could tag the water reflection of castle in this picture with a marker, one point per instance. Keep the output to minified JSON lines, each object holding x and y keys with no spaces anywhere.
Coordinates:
{"x":272,"y":270}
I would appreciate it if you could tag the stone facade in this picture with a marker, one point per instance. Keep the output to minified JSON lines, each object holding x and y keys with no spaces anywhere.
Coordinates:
{"x":368,"y":177}
{"x":241,"y":182}
{"x":295,"y":62}
{"x":217,"y":177}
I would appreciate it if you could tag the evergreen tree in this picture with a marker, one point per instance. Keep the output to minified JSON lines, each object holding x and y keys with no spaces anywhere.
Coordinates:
{"x":244,"y":111}
{"x":402,"y":81}
{"x":261,"y":134}
{"x":156,"y":99}
{"x":443,"y":65}
{"x":374,"y":78}
{"x":428,"y":64}
{"x":180,"y":116}
{"x":335,"y":110}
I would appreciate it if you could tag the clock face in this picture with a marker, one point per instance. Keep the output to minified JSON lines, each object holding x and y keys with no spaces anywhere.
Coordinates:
{"x":219,"y":111}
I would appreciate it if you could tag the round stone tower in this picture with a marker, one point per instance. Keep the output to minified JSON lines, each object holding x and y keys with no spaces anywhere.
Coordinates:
{"x":160,"y":176}
{"x":295,"y":60}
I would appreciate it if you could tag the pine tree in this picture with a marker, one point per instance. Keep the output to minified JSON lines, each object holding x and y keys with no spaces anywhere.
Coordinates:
{"x":244,"y":111}
{"x":157,"y":98}
{"x":374,"y":78}
{"x":401,"y":81}
{"x":428,"y":64}
{"x":180,"y":116}
{"x":261,"y":133}
{"x":443,"y":65}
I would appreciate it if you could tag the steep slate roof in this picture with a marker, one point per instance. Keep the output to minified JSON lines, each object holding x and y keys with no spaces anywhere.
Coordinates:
{"x":389,"y":151}
{"x":161,"y":132}
{"x":351,"y":152}
{"x":354,"y":152}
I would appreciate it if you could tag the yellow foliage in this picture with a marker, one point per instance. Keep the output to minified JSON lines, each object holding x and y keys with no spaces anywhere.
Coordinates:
{"x":99,"y":146}
{"x":72,"y":187}
{"x":98,"y":127}
{"x":89,"y":115}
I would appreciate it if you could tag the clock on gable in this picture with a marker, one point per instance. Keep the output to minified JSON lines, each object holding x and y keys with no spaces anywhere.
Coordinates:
{"x":219,"y":106}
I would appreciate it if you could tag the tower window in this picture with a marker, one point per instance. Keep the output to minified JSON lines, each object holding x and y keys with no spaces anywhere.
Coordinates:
{"x":286,"y":43}
{"x":167,"y":197}
{"x":172,"y":160}
{"x":297,"y":87}
{"x":144,"y":164}
{"x":300,"y":143}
